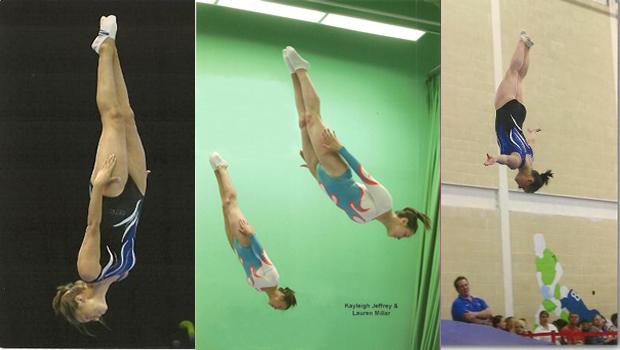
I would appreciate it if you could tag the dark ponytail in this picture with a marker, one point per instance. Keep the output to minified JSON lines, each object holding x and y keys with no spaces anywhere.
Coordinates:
{"x":413,"y":215}
{"x":539,"y":180}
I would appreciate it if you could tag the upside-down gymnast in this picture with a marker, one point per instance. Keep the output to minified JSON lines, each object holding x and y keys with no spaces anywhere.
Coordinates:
{"x":514,"y":147}
{"x":261,"y":274}
{"x":117,"y":189}
{"x":330,"y":163}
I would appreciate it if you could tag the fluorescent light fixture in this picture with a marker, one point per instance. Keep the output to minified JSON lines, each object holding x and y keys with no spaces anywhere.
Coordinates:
{"x":207,"y":1}
{"x":362,"y":25}
{"x":274,"y":9}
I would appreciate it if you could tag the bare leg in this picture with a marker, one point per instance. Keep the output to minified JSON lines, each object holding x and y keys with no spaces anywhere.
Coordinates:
{"x":232,"y":212}
{"x":330,"y":161}
{"x":306,"y":145}
{"x":526,"y":63}
{"x":509,"y":87}
{"x":136,"y":158}
{"x":112,"y":138}
{"x":522,"y":74}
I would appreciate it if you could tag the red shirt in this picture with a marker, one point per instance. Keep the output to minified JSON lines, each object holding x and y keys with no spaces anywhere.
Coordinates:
{"x":575,"y":339}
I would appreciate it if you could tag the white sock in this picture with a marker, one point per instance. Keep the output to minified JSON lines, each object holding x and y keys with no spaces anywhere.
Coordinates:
{"x":295,"y":60}
{"x":107,"y":29}
{"x":288,"y":64}
{"x":526,"y":39}
{"x":217,"y":161}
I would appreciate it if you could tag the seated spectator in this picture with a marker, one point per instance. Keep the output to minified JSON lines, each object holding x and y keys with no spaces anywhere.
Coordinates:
{"x":587,"y":327}
{"x":526,"y":326}
{"x":613,"y":339}
{"x":559,"y":323}
{"x":521,"y":328}
{"x":544,"y":326}
{"x":572,"y":327}
{"x":498,"y":322}
{"x":601,"y":323}
{"x":510,"y":324}
{"x":467,"y":308}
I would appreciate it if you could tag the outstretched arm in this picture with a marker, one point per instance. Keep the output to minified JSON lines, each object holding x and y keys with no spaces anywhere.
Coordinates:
{"x":88,"y":257}
{"x":531,"y":136}
{"x":512,"y":161}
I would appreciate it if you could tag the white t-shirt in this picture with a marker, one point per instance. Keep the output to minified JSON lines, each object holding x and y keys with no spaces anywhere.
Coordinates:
{"x":547,"y":338}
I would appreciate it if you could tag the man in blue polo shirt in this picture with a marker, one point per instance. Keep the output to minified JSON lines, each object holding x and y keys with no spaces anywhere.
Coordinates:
{"x":467,"y":308}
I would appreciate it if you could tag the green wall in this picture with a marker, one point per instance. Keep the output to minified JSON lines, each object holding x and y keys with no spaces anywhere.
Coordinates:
{"x":373,"y":95}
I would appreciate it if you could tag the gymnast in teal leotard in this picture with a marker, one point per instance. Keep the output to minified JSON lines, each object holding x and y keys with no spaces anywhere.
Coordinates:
{"x":260,"y":272}
{"x":331,"y":164}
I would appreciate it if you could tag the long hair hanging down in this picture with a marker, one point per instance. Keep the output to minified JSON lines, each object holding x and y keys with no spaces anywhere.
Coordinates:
{"x":65,"y":306}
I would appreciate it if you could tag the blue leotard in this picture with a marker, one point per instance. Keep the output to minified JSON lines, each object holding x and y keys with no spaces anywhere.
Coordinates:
{"x":508,"y":128}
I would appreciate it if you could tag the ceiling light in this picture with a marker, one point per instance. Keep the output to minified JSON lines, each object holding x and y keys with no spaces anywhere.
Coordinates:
{"x":366,"y":26}
{"x":271,"y":8}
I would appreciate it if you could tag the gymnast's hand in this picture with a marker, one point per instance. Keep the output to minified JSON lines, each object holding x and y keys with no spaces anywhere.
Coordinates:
{"x":533,"y":131}
{"x":104,"y":175}
{"x":245,"y":228}
{"x":490,"y":160}
{"x":330,"y":141}
{"x":531,"y":135}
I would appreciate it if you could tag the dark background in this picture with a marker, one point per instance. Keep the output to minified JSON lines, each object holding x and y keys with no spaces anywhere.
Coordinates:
{"x":49,"y":128}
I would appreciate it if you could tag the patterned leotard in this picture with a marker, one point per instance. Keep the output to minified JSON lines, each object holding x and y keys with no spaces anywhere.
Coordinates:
{"x":362,"y":202}
{"x":259,"y":270}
